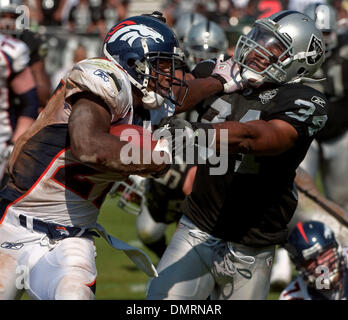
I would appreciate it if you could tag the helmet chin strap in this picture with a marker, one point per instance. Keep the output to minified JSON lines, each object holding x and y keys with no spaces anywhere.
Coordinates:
{"x":249,"y":75}
{"x":151,"y":100}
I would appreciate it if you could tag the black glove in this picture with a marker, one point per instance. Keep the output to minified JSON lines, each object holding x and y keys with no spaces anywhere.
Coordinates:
{"x":180,"y":133}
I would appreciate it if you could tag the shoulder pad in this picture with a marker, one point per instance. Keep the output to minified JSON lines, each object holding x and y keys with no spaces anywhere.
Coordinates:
{"x":104,"y":79}
{"x":17,"y":51}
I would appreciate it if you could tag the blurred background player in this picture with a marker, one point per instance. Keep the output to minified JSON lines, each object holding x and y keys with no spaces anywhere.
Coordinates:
{"x":37,"y":45}
{"x":205,"y":40}
{"x":156,"y":202}
{"x":87,"y":16}
{"x":18,"y":95}
{"x":50,"y":12}
{"x":321,"y":263}
{"x":185,"y":22}
{"x":328,"y":154}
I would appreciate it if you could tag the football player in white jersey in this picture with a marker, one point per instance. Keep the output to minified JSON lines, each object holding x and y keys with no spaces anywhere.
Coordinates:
{"x":321,"y":263}
{"x":16,"y":77}
{"x":62,"y":168}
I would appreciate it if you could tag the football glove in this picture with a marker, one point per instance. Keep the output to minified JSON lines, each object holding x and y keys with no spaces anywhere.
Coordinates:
{"x":228,"y":73}
{"x":181,"y":134}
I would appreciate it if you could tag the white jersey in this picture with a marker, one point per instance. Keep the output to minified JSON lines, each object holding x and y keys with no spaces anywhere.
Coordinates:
{"x":46,"y":180}
{"x":298,"y":289}
{"x":14,"y":57}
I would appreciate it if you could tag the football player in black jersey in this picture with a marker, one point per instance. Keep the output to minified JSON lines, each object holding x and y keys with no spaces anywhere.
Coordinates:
{"x":225,"y":241}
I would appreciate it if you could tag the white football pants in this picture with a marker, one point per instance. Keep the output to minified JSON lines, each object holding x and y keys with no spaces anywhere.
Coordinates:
{"x":60,"y":270}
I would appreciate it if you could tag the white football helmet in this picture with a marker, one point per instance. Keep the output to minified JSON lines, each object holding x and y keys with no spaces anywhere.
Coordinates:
{"x":285,"y":47}
{"x":130,"y":194}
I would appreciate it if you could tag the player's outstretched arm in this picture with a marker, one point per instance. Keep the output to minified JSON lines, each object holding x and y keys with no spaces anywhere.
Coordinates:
{"x":198,"y":90}
{"x":256,"y":137}
{"x":225,"y":78}
{"x":306,"y":185}
{"x":91,"y":143}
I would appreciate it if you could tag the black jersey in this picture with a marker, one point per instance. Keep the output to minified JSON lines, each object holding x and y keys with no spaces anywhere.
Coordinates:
{"x":335,"y":87}
{"x":253,"y":202}
{"x":164,"y":195}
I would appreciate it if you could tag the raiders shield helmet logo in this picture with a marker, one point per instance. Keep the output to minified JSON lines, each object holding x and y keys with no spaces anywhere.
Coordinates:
{"x":317,"y":48}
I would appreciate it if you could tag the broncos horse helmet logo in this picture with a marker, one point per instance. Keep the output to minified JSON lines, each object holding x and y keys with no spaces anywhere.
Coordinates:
{"x":129,"y":32}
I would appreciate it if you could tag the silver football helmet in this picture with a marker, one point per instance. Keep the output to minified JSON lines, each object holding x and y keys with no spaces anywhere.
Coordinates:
{"x":205,"y":40}
{"x":325,"y":19}
{"x":185,"y":23}
{"x":130,"y":194}
{"x":285,"y":47}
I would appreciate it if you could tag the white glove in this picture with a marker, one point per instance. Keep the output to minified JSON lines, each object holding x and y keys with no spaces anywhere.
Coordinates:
{"x":228,"y":72}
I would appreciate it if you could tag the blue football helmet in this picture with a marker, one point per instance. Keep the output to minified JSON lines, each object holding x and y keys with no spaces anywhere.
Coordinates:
{"x":312,"y":244}
{"x":139,"y":45}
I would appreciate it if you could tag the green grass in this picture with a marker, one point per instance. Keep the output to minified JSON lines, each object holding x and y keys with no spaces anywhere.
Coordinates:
{"x":118,"y":278}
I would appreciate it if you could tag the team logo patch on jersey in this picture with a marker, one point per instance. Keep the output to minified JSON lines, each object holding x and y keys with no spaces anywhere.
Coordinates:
{"x":129,"y":31}
{"x":319,"y":101}
{"x":62,"y":231}
{"x":315,"y":46}
{"x":268,"y":95}
{"x":100,"y":73}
